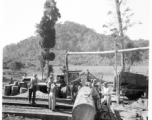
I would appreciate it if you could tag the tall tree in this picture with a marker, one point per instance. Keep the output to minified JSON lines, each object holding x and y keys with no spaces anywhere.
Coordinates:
{"x":46,"y":28}
{"x":118,"y":3}
{"x":119,"y":28}
{"x":42,"y":62}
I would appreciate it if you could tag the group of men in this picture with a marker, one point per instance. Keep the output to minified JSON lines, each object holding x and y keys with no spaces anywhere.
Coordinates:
{"x":33,"y":86}
{"x":101,"y":96}
{"x":101,"y":93}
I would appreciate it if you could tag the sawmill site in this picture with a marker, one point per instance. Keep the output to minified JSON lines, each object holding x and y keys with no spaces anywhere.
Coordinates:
{"x":74,"y":98}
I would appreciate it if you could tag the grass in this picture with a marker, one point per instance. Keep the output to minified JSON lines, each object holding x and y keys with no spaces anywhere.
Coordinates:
{"x":107,"y":72}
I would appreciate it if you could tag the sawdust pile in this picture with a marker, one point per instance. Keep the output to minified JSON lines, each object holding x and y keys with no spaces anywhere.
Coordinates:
{"x":132,"y":111}
{"x":39,"y":94}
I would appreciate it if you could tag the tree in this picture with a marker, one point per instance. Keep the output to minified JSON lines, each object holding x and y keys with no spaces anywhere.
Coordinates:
{"x":42,"y":63}
{"x":119,"y":28}
{"x":17,"y":65}
{"x":134,"y":56}
{"x":46,"y":28}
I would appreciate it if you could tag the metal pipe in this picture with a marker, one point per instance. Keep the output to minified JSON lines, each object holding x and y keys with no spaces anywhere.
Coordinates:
{"x":108,"y":52}
{"x":66,"y":71}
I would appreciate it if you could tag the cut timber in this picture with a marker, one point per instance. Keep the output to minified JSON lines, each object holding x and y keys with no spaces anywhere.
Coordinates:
{"x":14,"y":90}
{"x":84,"y":107}
{"x":7,"y":89}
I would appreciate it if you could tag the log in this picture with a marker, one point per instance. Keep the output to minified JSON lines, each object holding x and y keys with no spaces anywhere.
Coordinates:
{"x":84,"y":106}
{"x":7,"y":89}
{"x":14,"y":90}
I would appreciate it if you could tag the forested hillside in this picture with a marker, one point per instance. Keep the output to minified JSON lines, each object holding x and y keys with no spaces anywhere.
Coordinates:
{"x":70,"y":36}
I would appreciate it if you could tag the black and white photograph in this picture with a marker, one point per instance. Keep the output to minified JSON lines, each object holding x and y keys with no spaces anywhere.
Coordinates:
{"x":75,"y":59}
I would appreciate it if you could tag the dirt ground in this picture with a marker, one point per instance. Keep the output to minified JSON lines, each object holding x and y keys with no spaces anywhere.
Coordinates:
{"x":132,"y":111}
{"x":12,"y":117}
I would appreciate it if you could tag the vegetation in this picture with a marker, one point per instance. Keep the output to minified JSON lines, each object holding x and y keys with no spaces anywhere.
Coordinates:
{"x":46,"y":30}
{"x":70,"y":36}
{"x":120,"y":23}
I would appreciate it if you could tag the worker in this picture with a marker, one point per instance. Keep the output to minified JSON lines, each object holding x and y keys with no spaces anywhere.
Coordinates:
{"x":49,"y":82}
{"x":52,"y":99}
{"x":11,"y":81}
{"x":32,"y":88}
{"x":107,"y":95}
{"x":95,"y":94}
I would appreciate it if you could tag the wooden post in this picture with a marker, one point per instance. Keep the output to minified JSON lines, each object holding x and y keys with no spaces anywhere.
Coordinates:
{"x":66,"y":71}
{"x":117,"y":80}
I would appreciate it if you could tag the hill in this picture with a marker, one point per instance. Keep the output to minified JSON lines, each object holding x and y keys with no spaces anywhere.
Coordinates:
{"x":70,"y":36}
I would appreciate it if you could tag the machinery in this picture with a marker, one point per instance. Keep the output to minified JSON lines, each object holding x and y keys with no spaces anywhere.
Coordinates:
{"x":63,"y":83}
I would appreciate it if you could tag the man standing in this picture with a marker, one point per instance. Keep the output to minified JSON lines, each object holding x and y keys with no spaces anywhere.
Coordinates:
{"x":32,"y":88}
{"x":107,"y":95}
{"x":95,"y":95}
{"x":52,"y":99}
{"x":49,"y":82}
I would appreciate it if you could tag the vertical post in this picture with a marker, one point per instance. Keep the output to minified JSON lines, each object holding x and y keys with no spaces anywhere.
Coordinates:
{"x":66,"y":71}
{"x":66,"y":62}
{"x":117,"y":80}
{"x":66,"y":67}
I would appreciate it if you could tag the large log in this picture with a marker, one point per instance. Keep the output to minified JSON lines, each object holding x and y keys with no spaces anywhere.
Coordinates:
{"x":133,"y":78}
{"x":84,"y":107}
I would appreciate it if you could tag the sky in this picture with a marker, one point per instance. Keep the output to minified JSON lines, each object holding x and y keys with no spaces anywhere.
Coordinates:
{"x":19,"y":17}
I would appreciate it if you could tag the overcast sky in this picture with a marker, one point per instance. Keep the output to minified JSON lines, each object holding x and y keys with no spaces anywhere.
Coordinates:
{"x":20,"y":16}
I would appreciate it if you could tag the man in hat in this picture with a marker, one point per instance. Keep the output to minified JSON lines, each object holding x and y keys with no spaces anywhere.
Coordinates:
{"x":107,"y":95}
{"x":95,"y":94}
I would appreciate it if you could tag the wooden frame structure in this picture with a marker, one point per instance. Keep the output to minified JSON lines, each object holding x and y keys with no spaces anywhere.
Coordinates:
{"x":106,"y":52}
